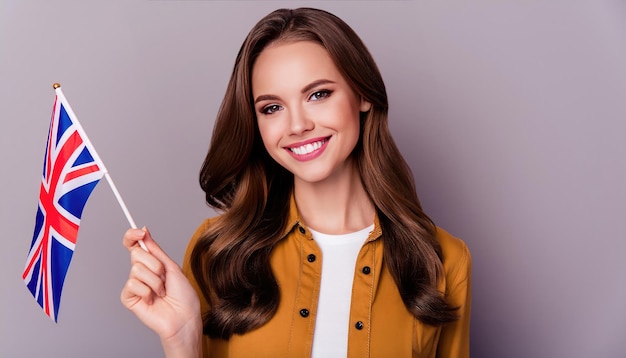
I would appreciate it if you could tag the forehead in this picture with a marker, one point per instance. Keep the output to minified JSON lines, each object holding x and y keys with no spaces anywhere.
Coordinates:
{"x":290,"y":66}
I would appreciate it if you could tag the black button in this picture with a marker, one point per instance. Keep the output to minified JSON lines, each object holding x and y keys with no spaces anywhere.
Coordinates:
{"x":358,"y":325}
{"x":302,"y":231}
{"x":366,"y":270}
{"x":310,"y":258}
{"x":304,"y":312}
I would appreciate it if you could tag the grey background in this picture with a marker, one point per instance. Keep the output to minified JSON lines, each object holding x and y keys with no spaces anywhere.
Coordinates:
{"x":511,"y":115}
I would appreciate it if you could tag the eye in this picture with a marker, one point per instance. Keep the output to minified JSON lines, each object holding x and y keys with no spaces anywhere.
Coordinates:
{"x":319,"y":95}
{"x":272,"y":108}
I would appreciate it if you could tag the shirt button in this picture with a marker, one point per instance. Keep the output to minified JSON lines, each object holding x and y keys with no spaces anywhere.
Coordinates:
{"x":304,"y":312}
{"x":366,"y":270}
{"x":359,"y":325}
{"x":302,"y":231}
{"x":310,"y":258}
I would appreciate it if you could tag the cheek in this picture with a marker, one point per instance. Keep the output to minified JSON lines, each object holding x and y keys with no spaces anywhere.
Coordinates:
{"x":355,"y":131}
{"x":264,"y":130}
{"x":269,"y":135}
{"x":352,"y":122}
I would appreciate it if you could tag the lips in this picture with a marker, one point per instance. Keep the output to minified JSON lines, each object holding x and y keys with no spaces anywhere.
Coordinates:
{"x":307,"y":149}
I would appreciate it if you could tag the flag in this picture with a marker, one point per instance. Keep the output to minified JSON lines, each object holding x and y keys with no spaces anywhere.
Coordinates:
{"x":71,"y":170}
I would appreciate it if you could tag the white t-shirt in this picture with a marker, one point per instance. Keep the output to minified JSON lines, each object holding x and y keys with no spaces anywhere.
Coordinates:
{"x":339,"y":254}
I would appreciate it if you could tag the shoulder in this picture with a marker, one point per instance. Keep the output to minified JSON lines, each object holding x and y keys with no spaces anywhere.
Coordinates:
{"x":452,"y":247}
{"x":457,"y":260}
{"x":200,"y":231}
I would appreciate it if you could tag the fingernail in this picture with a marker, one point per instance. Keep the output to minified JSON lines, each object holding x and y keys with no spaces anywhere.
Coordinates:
{"x":139,"y":233}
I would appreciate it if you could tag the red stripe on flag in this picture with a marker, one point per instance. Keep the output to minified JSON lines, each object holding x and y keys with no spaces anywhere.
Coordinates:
{"x":80,"y":172}
{"x":32,"y":262}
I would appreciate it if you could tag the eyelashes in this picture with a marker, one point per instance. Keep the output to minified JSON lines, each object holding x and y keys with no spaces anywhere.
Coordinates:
{"x":319,"y":95}
{"x":314,"y":97}
{"x":272,"y":108}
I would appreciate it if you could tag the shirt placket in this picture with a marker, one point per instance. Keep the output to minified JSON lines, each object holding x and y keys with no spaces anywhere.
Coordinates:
{"x":307,"y":296}
{"x":366,"y":276}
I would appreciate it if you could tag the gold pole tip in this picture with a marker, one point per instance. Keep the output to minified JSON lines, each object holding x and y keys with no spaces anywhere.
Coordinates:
{"x":56,"y":85}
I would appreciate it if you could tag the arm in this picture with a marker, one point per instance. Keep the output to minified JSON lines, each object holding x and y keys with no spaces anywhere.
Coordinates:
{"x":454,"y":339}
{"x":160,"y":295}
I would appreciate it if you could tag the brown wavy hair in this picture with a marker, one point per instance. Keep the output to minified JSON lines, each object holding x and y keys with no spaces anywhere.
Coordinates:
{"x":230,"y":261}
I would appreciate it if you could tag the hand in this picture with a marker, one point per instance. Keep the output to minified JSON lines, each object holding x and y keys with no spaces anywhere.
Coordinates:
{"x":160,"y":295}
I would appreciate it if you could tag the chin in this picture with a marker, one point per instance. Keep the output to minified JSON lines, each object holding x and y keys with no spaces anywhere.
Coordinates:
{"x":312,"y":177}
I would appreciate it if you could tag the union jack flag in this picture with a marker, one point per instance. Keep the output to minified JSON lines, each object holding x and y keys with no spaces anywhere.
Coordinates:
{"x":71,"y":171}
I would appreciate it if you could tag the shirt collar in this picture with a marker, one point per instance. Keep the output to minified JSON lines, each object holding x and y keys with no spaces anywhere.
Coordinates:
{"x":294,"y":216}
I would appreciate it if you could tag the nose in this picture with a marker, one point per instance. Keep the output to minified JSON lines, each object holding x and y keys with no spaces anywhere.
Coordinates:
{"x":299,"y":121}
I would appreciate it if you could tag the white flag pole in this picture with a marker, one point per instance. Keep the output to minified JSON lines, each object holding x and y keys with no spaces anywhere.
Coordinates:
{"x":57,"y":89}
{"x":124,"y":208}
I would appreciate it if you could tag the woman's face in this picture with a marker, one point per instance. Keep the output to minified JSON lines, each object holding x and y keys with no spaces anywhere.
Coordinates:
{"x":307,"y":114}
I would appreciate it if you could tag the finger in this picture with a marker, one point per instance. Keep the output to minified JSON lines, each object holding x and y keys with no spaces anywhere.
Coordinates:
{"x":139,"y":255}
{"x":135,"y":291}
{"x":132,"y":237}
{"x":156,"y":250}
{"x":155,"y":282}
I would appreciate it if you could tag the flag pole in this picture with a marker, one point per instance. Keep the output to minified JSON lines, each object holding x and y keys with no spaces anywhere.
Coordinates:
{"x":57,"y":89}
{"x":123,"y":206}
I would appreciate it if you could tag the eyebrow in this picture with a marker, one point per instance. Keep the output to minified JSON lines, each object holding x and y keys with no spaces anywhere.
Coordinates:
{"x":314,"y":84}
{"x":307,"y":88}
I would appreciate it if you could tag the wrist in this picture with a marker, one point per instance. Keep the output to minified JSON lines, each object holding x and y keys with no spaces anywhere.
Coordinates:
{"x":186,"y":343}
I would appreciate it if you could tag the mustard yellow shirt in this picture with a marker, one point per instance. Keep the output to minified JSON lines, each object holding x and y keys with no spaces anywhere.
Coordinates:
{"x":380,"y":324}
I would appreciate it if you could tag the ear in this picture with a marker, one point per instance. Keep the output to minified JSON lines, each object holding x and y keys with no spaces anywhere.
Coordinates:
{"x":365,"y":105}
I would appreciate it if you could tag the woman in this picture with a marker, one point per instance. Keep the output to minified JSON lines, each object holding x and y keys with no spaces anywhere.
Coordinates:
{"x":322,"y":247}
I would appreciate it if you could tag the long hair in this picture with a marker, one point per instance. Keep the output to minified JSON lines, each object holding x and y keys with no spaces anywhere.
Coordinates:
{"x":230,"y":261}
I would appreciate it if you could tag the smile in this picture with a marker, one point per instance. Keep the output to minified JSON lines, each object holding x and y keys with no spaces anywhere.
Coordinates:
{"x":308,"y":148}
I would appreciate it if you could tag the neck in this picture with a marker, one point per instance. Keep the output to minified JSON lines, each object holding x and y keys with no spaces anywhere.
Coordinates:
{"x":337,"y":205}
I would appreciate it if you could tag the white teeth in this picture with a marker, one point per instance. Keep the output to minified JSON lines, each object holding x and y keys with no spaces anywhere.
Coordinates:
{"x":308,"y":148}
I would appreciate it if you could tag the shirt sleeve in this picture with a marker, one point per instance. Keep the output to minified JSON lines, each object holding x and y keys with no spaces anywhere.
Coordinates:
{"x":204,"y":305}
{"x":454,"y":338}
